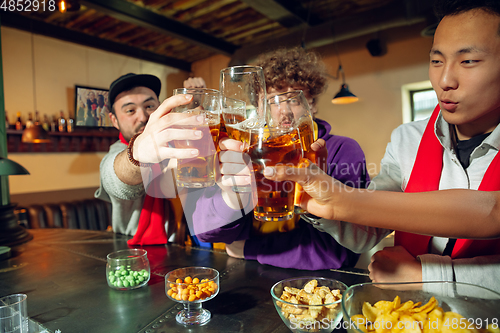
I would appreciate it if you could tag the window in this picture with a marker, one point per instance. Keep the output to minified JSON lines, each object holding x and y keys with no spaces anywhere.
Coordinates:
{"x":419,"y":100}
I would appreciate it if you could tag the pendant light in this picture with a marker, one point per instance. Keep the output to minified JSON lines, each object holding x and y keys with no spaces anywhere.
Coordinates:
{"x":35,"y":133}
{"x":344,"y":96}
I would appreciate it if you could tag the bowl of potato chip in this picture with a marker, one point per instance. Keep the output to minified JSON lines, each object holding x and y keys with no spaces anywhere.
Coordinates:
{"x":426,"y":307}
{"x":309,"y":304}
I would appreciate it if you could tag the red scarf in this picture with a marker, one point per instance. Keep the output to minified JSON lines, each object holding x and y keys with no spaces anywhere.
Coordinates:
{"x":151,"y":229}
{"x":425,"y":176}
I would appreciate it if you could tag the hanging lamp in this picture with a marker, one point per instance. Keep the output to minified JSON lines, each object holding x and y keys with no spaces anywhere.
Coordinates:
{"x":35,"y":133}
{"x":344,"y":96}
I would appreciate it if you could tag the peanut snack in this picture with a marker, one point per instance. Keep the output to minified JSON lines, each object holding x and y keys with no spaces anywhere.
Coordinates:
{"x":191,"y":289}
{"x":410,"y":317}
{"x":314,"y":317}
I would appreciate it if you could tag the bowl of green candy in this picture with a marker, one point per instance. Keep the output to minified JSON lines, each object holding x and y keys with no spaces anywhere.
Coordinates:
{"x":128,"y":269}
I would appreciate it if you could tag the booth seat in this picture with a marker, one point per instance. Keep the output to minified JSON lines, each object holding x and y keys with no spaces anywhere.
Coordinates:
{"x":95,"y":214}
{"x":90,"y":214}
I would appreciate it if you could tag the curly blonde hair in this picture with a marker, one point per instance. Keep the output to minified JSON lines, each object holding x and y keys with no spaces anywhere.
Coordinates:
{"x":294,"y":67}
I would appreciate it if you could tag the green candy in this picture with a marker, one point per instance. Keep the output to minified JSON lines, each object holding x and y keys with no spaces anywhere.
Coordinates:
{"x":126,"y":277}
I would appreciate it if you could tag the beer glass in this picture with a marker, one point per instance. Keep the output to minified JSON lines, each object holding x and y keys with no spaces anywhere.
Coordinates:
{"x":291,"y":110}
{"x":243,"y":98}
{"x":271,"y":147}
{"x":199,"y":171}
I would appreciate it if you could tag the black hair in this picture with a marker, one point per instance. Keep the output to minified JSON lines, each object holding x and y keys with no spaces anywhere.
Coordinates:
{"x":444,"y":8}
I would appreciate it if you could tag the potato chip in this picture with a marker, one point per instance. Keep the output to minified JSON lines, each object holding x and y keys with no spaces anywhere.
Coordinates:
{"x":409,"y":324}
{"x":397,"y":302}
{"x":293,"y":291}
{"x":493,"y":328}
{"x":427,"y":307}
{"x":405,"y":306}
{"x":385,"y":322}
{"x":454,"y":322}
{"x":305,"y":317}
{"x":370,"y":312}
{"x":309,"y":287}
{"x":409,"y":317}
{"x":385,"y":306}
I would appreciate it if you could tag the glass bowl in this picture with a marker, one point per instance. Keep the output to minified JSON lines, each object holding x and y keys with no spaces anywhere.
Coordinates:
{"x":192,"y":286}
{"x":309,"y":318}
{"x":477,"y":305}
{"x":127,"y":269}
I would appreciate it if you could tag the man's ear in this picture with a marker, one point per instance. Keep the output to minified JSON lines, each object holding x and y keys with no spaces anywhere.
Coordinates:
{"x":114,"y":121}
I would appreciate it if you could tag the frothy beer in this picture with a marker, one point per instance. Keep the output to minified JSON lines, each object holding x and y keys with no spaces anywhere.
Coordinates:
{"x":239,"y":128}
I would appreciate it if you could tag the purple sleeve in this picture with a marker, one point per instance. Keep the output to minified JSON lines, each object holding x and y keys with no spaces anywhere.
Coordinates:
{"x":212,"y":219}
{"x":346,"y":161}
{"x":304,"y":247}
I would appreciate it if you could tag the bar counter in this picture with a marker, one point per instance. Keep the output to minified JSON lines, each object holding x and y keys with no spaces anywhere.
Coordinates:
{"x":63,"y":272}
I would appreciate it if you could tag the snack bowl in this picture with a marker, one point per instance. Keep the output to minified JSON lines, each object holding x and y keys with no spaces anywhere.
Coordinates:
{"x":191,"y":286}
{"x":298,"y":313}
{"x":444,"y":307}
{"x":127,"y":269}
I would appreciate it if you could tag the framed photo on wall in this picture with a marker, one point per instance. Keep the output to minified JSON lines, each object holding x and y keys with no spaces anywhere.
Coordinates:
{"x":91,"y":107}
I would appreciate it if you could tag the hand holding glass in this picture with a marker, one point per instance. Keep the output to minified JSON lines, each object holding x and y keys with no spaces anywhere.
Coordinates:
{"x":199,"y":171}
{"x":291,"y":110}
{"x":243,"y":95}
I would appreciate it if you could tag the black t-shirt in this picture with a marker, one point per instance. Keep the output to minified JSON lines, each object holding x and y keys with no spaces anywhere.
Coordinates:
{"x":465,"y":148}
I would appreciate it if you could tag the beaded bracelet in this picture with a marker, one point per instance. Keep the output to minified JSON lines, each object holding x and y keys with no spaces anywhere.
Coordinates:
{"x":130,"y":156}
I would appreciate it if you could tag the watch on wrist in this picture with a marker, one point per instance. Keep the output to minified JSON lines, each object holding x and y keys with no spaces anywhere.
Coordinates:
{"x":313,"y":219}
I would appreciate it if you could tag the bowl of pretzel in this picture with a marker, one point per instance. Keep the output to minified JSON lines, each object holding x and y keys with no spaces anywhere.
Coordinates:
{"x":309,"y":304}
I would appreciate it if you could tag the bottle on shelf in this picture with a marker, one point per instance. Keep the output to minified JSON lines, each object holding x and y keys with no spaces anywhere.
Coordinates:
{"x":53,"y":124}
{"x":45,"y":123}
{"x":70,"y":124}
{"x":61,"y":122}
{"x":19,"y":123}
{"x":7,"y":125}
{"x":29,"y":122}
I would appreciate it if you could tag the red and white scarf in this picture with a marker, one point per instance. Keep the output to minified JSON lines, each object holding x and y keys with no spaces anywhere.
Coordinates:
{"x":425,"y":176}
{"x":151,"y":229}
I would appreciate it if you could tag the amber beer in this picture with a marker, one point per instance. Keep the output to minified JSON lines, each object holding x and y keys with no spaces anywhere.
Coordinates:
{"x":231,"y":121}
{"x":275,"y":200}
{"x":306,"y":133}
{"x":199,"y":171}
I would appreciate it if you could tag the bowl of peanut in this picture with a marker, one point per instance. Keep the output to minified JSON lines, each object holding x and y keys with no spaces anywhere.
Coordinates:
{"x":309,"y":304}
{"x":191,"y":286}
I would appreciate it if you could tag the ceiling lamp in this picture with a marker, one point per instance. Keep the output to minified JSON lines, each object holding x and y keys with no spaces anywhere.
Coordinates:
{"x":344,"y":96}
{"x":69,"y":6}
{"x":35,"y":133}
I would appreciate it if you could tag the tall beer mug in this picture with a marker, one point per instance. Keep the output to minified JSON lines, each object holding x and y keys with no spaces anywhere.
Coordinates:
{"x":199,"y":171}
{"x":243,"y":99}
{"x":270,"y":147}
{"x":291,"y":110}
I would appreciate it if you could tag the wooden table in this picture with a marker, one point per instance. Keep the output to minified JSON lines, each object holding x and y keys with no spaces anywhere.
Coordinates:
{"x":63,"y":272}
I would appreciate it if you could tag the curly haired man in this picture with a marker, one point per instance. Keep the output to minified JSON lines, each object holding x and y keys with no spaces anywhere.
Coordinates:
{"x":294,"y":243}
